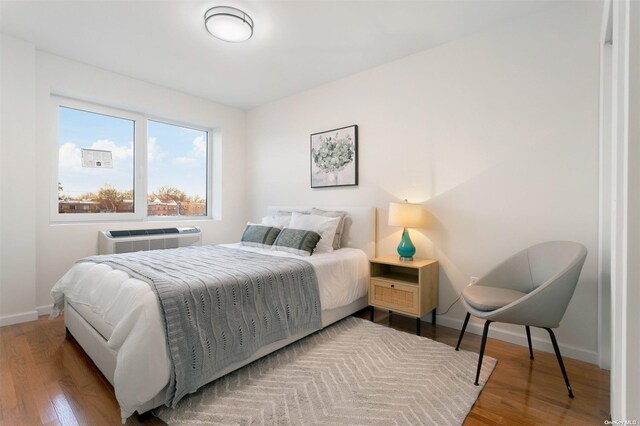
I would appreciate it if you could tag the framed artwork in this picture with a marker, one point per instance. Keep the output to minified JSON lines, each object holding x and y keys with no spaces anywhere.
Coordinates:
{"x":334,"y":157}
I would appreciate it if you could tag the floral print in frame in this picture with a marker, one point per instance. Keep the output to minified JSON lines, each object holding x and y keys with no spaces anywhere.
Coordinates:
{"x":334,"y":157}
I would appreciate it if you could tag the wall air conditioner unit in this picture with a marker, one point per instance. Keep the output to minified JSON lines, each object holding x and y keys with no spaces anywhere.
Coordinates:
{"x":111,"y":242}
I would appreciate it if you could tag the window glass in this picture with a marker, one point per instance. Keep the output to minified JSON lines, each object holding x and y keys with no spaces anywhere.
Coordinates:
{"x":95,"y":162}
{"x":177,"y":170}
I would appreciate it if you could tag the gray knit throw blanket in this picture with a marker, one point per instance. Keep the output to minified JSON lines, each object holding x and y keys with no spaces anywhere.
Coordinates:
{"x":220,"y":305}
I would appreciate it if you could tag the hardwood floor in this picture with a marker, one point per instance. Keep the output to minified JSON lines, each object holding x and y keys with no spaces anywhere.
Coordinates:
{"x":46,"y":378}
{"x":522,"y":391}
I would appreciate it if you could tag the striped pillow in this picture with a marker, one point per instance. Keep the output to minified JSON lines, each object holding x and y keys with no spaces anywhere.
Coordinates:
{"x":259,"y":236}
{"x":296,"y":241}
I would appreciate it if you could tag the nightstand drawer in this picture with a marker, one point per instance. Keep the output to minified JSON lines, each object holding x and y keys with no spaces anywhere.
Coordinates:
{"x":394,"y":296}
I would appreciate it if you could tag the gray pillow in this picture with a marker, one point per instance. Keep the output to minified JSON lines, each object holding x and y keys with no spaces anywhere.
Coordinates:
{"x":337,"y":239}
{"x":259,"y":236}
{"x":296,"y":241}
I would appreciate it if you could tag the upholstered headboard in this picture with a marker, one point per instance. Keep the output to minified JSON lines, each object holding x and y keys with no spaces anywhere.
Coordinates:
{"x":359,"y":227}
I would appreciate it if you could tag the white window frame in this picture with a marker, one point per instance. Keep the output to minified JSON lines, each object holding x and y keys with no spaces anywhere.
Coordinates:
{"x":209,"y":190}
{"x":139,"y":163}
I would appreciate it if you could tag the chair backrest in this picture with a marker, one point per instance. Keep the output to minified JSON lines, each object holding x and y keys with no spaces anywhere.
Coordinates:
{"x":527,"y":269}
{"x":548,"y":272}
{"x":548,"y":259}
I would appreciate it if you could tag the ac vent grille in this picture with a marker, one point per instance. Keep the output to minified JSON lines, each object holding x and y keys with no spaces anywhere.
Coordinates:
{"x":113,"y":242}
{"x":140,"y":232}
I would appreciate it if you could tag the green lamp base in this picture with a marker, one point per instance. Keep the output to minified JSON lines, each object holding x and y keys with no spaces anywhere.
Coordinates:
{"x":406,"y":249}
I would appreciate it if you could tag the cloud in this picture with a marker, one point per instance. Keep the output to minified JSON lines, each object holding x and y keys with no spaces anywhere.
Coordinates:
{"x":154,"y":153}
{"x":200,"y":146}
{"x":119,"y":152}
{"x":184,"y":161}
{"x":197,"y":154}
{"x":152,"y":149}
{"x":69,"y":156}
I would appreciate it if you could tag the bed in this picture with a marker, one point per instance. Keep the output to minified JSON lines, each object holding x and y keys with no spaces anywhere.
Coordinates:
{"x":115,"y":317}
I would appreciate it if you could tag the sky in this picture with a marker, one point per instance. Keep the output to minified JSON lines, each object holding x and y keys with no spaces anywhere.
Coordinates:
{"x":176,"y":155}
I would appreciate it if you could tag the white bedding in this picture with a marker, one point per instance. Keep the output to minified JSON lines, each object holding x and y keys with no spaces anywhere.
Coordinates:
{"x":130,"y":308}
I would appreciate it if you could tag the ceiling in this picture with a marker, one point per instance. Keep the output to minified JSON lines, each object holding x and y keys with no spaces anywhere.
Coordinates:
{"x":297,"y":44}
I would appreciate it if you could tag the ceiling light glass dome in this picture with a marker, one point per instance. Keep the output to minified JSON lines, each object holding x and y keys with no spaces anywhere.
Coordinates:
{"x":228,"y":24}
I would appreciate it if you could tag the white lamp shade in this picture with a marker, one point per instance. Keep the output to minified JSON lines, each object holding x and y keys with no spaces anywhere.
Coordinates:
{"x":228,"y":24}
{"x":406,"y":215}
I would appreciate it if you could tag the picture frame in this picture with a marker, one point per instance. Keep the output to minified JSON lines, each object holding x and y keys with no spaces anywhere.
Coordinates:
{"x":334,"y":157}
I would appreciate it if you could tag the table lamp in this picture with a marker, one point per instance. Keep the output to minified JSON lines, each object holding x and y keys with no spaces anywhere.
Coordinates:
{"x":408,"y":216}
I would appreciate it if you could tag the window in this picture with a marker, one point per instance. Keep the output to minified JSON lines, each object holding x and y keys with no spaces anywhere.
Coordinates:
{"x":177,"y":170}
{"x":95,"y":162}
{"x":118,"y":165}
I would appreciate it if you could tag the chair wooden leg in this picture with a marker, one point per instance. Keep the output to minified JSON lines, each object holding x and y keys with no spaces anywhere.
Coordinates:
{"x":464,"y":327}
{"x":529,"y":340}
{"x":484,"y":343}
{"x":564,"y":371}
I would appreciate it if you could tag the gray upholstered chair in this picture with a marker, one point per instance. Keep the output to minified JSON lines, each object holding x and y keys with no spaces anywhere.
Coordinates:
{"x":531,"y":288}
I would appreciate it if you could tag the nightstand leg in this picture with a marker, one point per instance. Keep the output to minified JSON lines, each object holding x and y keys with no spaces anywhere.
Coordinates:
{"x":418,"y":326}
{"x":433,"y":316}
{"x":371,"y":312}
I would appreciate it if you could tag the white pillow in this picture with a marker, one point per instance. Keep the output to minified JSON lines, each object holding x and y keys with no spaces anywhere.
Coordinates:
{"x":276,"y":221}
{"x":337,"y":240}
{"x":323,"y":225}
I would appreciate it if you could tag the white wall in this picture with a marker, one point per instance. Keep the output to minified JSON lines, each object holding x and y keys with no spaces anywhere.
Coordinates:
{"x":17,"y":181}
{"x":495,"y":134}
{"x":50,"y":248}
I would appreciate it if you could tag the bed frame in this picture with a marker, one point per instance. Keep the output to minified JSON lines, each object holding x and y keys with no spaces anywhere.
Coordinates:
{"x":359,"y":232}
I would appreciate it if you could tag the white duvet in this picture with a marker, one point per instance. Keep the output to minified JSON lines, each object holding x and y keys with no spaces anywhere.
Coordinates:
{"x":130,"y":308}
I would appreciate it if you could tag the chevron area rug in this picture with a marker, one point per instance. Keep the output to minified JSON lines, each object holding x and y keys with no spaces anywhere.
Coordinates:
{"x":353,"y":372}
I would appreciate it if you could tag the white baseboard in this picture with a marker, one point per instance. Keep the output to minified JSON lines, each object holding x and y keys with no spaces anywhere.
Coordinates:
{"x":18,"y":318}
{"x":44,"y":310}
{"x":500,"y":333}
{"x":25,"y":316}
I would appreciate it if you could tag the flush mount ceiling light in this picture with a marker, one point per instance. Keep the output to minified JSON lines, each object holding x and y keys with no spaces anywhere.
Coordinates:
{"x":228,"y":24}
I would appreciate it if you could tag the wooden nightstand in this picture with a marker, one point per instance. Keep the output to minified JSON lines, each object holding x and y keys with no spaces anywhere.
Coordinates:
{"x":409,"y":288}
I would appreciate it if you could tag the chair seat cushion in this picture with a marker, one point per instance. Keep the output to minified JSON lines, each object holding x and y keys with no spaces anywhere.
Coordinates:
{"x":485,"y":298}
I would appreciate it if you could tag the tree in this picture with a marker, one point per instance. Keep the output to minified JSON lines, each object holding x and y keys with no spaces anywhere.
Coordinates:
{"x":109,"y":198}
{"x":60,"y":191}
{"x":169,"y":193}
{"x":90,"y":196}
{"x":197,"y":199}
{"x":127,"y":195}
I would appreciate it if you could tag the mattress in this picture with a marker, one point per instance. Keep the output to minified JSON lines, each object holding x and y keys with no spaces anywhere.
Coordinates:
{"x":125,"y":312}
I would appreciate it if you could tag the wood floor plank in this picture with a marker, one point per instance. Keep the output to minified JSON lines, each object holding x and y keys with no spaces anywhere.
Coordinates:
{"x":8,"y":398}
{"x":63,"y":387}
{"x":75,"y":399}
{"x":36,"y":338}
{"x":19,"y":361}
{"x":46,"y":410}
{"x":63,"y":409}
{"x":42,"y":345}
{"x":27,"y":404}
